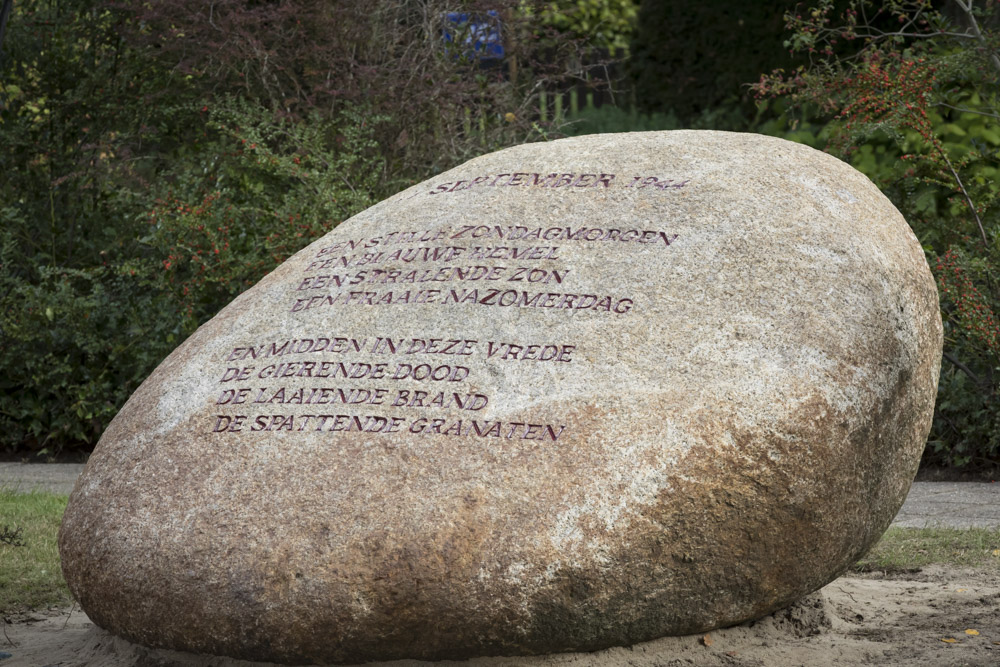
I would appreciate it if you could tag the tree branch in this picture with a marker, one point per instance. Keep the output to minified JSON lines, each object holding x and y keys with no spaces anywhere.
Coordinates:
{"x":4,"y":15}
{"x":962,"y":367}
{"x":980,"y":113}
{"x":879,"y":34}
{"x":967,"y":8}
{"x":968,"y":199}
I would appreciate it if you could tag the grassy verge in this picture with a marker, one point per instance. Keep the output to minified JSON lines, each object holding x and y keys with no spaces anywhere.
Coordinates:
{"x":904,"y":549}
{"x":30,"y":576}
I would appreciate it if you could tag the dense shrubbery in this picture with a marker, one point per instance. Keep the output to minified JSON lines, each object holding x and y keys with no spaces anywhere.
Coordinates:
{"x":688,"y":58}
{"x":609,"y":118}
{"x":916,"y":108}
{"x":600,"y":24}
{"x":161,"y":157}
{"x":252,"y":195}
{"x":442,"y":104}
{"x":78,"y":336}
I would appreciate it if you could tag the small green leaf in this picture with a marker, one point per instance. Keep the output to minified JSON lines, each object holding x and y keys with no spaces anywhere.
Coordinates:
{"x":990,"y":136}
{"x":951,"y":128}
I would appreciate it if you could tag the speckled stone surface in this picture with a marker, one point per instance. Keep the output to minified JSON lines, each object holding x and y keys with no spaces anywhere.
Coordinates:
{"x":562,"y":397}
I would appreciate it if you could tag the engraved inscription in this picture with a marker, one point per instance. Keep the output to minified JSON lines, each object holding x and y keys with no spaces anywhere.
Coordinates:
{"x":555,"y":180}
{"x":345,"y":275}
{"x":426,"y":384}
{"x":425,"y":377}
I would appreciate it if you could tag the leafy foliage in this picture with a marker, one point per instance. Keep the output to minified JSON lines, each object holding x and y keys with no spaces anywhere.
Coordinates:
{"x":689,"y":58}
{"x":11,"y":536}
{"x":258,"y":191}
{"x":77,"y":341}
{"x":161,"y":157}
{"x":610,"y":118}
{"x":603,"y":24}
{"x":127,"y":218}
{"x":442,"y":105}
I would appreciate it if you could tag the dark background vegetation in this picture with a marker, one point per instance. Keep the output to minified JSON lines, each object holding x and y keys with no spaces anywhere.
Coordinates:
{"x":158,"y":158}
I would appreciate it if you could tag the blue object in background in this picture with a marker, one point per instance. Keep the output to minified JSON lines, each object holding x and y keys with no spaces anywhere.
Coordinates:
{"x":479,"y":33}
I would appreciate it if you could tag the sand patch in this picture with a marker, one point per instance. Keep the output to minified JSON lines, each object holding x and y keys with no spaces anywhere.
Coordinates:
{"x":869,"y":619}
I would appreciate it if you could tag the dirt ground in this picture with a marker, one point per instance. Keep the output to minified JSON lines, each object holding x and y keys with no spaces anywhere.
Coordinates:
{"x":857,"y":620}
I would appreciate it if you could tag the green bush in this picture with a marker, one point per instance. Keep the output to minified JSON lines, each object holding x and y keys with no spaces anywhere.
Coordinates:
{"x":692,"y":57}
{"x":76,"y":342}
{"x":257,"y":191}
{"x":149,"y":264}
{"x":602,"y":24}
{"x":610,"y":118}
{"x":158,"y":158}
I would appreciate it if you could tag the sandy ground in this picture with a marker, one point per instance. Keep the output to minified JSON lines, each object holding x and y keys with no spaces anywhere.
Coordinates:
{"x":857,"y":620}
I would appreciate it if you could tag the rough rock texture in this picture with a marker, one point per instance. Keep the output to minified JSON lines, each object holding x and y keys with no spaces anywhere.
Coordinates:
{"x":672,"y":395}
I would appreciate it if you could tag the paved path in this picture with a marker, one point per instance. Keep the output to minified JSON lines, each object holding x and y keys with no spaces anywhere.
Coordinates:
{"x":958,"y":504}
{"x":52,"y":477}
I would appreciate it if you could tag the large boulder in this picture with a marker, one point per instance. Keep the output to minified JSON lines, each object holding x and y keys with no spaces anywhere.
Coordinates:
{"x":565,"y":396}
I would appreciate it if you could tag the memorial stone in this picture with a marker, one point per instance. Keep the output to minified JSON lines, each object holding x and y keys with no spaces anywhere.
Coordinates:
{"x":566,"y":396}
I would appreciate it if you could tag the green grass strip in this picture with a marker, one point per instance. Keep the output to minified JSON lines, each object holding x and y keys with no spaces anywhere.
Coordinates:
{"x":30,"y":576}
{"x":905,"y":549}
